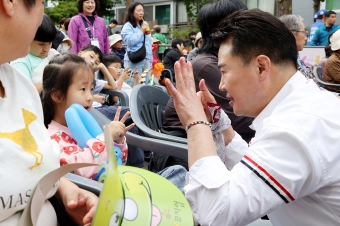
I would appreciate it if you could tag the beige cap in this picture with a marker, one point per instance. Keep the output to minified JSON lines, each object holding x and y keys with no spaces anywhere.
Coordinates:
{"x":114,"y":38}
{"x":335,"y":40}
{"x":198,"y":37}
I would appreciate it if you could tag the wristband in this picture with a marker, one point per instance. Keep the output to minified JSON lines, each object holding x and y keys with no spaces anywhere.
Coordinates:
{"x":119,"y":84}
{"x":197,"y":122}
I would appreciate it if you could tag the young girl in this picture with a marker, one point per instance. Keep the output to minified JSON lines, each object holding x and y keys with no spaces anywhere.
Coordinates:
{"x":68,"y":80}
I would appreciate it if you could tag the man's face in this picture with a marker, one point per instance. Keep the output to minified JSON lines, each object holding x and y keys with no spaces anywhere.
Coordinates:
{"x":40,"y":49}
{"x":331,"y":19}
{"x":300,"y":37}
{"x":241,"y":82}
{"x":91,"y":58}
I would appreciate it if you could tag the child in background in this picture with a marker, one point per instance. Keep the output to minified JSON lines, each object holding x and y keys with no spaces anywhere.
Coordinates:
{"x":68,"y":80}
{"x":113,"y":64}
{"x":93,"y":57}
{"x":32,"y":66}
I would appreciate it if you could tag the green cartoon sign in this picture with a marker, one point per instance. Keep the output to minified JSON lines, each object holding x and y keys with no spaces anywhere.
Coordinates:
{"x":133,"y":196}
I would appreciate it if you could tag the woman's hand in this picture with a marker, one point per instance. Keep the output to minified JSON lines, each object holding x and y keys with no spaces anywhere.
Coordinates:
{"x":187,"y":103}
{"x":117,"y":127}
{"x":98,"y":98}
{"x":79,"y":204}
{"x":144,"y":28}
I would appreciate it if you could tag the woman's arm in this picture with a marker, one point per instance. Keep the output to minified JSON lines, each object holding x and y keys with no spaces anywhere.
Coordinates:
{"x":73,"y":34}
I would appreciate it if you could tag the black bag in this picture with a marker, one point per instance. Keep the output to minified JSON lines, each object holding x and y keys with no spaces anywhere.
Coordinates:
{"x":139,"y":55}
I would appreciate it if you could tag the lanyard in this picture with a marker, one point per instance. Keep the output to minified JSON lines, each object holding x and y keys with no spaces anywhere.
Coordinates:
{"x":87,"y":28}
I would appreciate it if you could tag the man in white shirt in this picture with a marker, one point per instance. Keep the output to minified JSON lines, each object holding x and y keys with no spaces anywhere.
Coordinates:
{"x":290,"y":169}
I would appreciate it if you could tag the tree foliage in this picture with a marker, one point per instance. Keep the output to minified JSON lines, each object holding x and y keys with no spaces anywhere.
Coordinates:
{"x":193,"y":7}
{"x":68,"y":8}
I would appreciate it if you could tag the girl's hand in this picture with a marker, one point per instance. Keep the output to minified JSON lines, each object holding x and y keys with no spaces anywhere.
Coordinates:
{"x":79,"y":204}
{"x":117,"y":127}
{"x":98,"y":98}
{"x":187,"y":103}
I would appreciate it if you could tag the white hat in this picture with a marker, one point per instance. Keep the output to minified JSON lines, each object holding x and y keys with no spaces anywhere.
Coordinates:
{"x":198,"y":37}
{"x":114,"y":38}
{"x":335,"y":40}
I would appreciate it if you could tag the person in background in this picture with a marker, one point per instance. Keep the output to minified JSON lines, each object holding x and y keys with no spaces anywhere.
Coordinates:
{"x":113,"y":24}
{"x":332,"y":66}
{"x":192,"y":37}
{"x":170,"y":58}
{"x":134,"y":34}
{"x":40,"y":53}
{"x":116,"y":45}
{"x":320,"y":37}
{"x":198,"y":42}
{"x":88,"y":28}
{"x":328,"y":53}
{"x":161,"y":38}
{"x":295,"y":24}
{"x":66,"y":43}
{"x":319,"y":19}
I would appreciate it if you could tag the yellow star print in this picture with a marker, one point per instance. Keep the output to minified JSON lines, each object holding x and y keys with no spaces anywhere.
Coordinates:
{"x":24,"y":138}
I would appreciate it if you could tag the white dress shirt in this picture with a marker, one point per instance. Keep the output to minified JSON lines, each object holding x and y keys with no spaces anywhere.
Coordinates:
{"x":290,"y":171}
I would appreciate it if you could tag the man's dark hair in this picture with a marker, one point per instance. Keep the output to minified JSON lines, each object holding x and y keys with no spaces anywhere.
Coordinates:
{"x":328,"y":51}
{"x":214,"y":12}
{"x":113,"y":21}
{"x":253,"y":33}
{"x":80,"y":6}
{"x":95,"y":49}
{"x":329,"y":13}
{"x":176,"y":42}
{"x":129,"y":16}
{"x":46,"y":31}
{"x":192,"y":33}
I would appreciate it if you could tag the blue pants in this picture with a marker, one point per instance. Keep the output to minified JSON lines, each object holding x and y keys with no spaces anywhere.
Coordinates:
{"x":135,"y":154}
{"x":176,"y":175}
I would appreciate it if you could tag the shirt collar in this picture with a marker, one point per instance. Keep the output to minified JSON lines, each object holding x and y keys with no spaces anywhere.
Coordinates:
{"x":296,"y":81}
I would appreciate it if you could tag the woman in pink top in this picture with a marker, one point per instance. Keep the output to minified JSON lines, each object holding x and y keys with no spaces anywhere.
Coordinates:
{"x":94,"y":32}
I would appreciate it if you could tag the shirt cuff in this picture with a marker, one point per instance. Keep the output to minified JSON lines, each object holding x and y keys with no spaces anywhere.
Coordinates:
{"x":204,"y":172}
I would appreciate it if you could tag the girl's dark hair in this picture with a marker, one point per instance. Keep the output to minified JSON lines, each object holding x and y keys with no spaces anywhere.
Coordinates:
{"x":57,"y":77}
{"x":46,"y":31}
{"x":176,"y":42}
{"x":129,"y":16}
{"x":66,"y":23}
{"x":80,"y":6}
{"x":214,"y":12}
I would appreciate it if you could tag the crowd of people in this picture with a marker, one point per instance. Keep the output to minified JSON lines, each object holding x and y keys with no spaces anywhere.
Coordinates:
{"x":244,"y":99}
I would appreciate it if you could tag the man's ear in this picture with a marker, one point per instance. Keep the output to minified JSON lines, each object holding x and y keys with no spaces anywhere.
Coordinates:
{"x":80,"y":53}
{"x":56,"y":97}
{"x":8,"y":6}
{"x":264,"y":66}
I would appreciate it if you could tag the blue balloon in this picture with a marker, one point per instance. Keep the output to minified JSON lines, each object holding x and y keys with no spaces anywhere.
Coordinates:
{"x":84,"y":127}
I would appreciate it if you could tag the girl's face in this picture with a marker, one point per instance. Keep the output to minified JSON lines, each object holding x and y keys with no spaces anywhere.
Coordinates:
{"x":80,"y":91}
{"x":114,"y":69}
{"x":89,"y":7}
{"x":40,"y":49}
{"x":138,"y":14}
